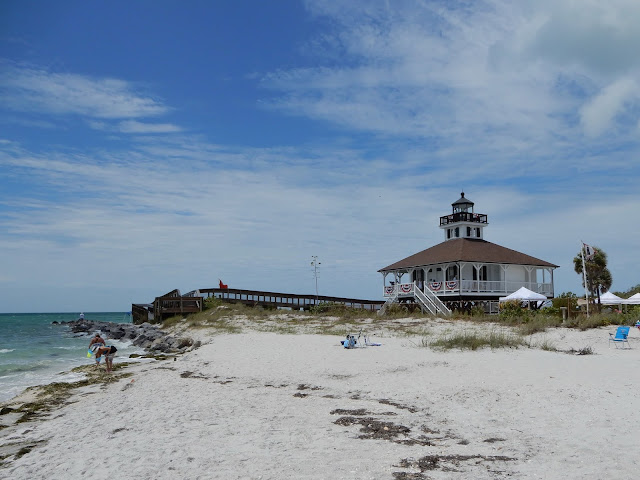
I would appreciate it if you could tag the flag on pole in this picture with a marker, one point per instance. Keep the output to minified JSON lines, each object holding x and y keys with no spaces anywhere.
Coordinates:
{"x":589,"y":251}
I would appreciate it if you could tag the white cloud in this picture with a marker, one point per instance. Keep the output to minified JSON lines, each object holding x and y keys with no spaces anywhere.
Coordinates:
{"x":422,"y":71}
{"x":133,"y":126}
{"x":29,"y":89}
{"x":493,"y":76}
{"x":599,"y":113}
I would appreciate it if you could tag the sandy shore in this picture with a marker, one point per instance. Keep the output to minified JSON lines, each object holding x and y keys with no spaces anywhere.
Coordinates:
{"x":262,"y":405}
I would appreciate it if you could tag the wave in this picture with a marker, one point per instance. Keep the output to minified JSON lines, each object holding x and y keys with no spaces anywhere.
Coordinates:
{"x":6,"y":350}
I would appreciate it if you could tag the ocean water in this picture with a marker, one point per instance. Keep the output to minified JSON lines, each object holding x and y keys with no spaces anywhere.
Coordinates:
{"x":34,"y":351}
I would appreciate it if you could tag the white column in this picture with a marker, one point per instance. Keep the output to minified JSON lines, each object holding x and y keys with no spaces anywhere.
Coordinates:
{"x":504,"y":277}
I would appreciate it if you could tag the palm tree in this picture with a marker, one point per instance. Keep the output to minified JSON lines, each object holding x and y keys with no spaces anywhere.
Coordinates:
{"x":599,"y":278}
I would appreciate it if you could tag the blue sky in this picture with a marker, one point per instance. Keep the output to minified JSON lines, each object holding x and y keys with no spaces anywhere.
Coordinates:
{"x":147,"y":146}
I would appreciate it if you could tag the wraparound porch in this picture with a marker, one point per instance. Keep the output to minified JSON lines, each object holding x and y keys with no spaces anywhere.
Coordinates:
{"x":469,"y":279}
{"x":456,"y":288}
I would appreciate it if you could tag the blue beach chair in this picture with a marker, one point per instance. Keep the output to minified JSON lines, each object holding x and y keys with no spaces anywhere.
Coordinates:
{"x":620,"y":337}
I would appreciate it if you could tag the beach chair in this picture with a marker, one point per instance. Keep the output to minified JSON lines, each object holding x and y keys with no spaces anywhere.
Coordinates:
{"x":620,"y":337}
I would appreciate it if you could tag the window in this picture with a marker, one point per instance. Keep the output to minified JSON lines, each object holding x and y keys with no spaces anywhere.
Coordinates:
{"x":448,"y":233}
{"x":452,"y":273}
{"x":468,"y":231}
{"x":457,"y":232}
{"x":478,"y":232}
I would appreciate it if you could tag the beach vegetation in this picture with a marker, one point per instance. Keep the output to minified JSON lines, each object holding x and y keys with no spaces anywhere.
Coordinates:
{"x":632,"y":291}
{"x":597,"y":320}
{"x":339,"y":310}
{"x":513,"y":312}
{"x":48,"y":397}
{"x":583,"y":351}
{"x":401,"y":310}
{"x":212,"y":302}
{"x":538,"y":323}
{"x":476,"y":340}
{"x":547,"y":346}
{"x":567,"y":300}
{"x":477,"y":312}
{"x":219,"y":316}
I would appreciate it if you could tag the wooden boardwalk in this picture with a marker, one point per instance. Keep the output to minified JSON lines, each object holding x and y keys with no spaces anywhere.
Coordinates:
{"x":174,"y":303}
{"x":284,"y":300}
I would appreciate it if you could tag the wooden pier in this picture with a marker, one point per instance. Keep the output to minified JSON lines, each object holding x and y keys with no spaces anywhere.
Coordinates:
{"x":173,"y":303}
{"x":285,"y":300}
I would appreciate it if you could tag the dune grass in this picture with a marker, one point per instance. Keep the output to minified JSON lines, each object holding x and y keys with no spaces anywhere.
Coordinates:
{"x":596,"y":320}
{"x":547,"y":346}
{"x":475,"y":341}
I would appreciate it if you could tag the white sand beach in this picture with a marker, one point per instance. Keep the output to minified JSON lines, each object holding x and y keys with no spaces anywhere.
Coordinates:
{"x":261,"y":405}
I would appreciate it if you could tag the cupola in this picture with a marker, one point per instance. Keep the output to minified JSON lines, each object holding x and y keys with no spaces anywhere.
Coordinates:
{"x":463,"y":222}
{"x":462,"y":205}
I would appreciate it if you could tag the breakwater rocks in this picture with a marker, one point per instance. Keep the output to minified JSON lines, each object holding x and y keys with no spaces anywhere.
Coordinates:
{"x":146,"y":336}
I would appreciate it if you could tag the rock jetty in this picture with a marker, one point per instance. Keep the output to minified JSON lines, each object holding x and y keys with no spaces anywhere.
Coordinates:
{"x":146,"y":336}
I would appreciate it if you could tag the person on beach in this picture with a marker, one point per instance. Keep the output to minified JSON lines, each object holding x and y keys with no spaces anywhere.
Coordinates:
{"x":98,"y":341}
{"x":81,"y":316}
{"x":109,"y":351}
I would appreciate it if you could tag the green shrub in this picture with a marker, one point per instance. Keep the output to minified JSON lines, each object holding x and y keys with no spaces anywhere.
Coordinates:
{"x":565,"y":299}
{"x":512,"y":312}
{"x":553,"y":311}
{"x":339,"y":310}
{"x":477,"y":311}
{"x":212,"y":302}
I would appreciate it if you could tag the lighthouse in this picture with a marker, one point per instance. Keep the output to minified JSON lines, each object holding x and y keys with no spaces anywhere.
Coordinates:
{"x":465,"y":269}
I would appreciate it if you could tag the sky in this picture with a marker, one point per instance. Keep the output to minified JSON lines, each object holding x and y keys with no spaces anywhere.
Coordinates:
{"x":147,"y":146}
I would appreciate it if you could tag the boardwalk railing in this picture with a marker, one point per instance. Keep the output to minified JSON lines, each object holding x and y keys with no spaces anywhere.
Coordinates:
{"x":291,"y":300}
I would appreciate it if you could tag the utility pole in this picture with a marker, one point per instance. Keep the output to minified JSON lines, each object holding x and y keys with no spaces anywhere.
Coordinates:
{"x":315,"y":264}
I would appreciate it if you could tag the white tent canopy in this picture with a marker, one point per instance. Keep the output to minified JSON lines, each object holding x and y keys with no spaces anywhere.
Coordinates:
{"x":609,"y":298}
{"x":633,"y":300}
{"x":524,"y":294}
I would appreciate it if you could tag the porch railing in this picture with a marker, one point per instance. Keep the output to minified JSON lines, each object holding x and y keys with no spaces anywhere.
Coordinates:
{"x":455,"y":287}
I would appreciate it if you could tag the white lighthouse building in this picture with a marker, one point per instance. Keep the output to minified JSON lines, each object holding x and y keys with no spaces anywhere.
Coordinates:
{"x":465,"y":269}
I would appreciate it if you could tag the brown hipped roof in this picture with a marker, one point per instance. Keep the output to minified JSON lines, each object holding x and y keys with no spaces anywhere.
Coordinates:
{"x":467,"y":250}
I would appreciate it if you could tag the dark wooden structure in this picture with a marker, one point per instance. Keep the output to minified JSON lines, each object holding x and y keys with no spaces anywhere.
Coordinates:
{"x":285,"y":300}
{"x":165,"y":306}
{"x":141,"y":313}
{"x":173,"y":303}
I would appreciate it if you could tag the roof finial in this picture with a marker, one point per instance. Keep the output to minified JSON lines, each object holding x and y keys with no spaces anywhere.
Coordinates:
{"x":462,"y":193}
